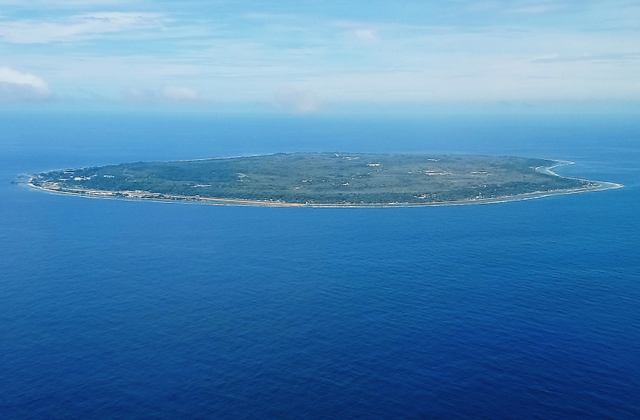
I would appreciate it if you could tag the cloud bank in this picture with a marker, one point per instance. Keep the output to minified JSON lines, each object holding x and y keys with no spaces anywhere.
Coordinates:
{"x":179,"y":94}
{"x":206,"y":55}
{"x":16,"y":86}
{"x":139,"y":95}
{"x":298,"y":101}
{"x":76,"y":27}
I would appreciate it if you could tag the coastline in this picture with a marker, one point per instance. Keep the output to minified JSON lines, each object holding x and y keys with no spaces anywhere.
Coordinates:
{"x":157,"y":197}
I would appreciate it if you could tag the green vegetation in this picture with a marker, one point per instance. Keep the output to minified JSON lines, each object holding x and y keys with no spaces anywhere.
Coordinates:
{"x":318,"y":178}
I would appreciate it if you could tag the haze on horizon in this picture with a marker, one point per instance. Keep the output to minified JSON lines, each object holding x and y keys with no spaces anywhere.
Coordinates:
{"x":314,"y":56}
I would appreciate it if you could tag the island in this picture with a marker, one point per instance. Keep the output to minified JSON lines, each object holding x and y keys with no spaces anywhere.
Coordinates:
{"x":324,"y":180}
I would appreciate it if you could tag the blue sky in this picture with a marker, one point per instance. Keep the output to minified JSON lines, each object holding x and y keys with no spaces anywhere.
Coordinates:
{"x":314,"y":56}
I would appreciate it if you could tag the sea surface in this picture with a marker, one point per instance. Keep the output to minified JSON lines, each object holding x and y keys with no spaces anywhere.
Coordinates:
{"x":142,"y":310}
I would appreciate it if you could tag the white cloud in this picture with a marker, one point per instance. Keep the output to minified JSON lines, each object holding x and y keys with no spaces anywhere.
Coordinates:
{"x":342,"y":61}
{"x":16,"y":86}
{"x":179,"y":94}
{"x":522,"y":7}
{"x":365,"y":36}
{"x":169,"y":93}
{"x":62,"y":3}
{"x":139,"y":95}
{"x":79,"y":26}
{"x":358,"y":32}
{"x":537,"y":9}
{"x":298,"y":101}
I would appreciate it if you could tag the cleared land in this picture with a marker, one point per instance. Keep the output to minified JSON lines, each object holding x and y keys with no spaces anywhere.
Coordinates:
{"x":323,"y":179}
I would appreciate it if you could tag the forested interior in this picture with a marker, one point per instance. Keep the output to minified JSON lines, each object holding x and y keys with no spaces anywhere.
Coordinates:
{"x":323,"y":177}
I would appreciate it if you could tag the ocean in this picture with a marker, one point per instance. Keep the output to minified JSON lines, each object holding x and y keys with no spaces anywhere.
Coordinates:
{"x":142,"y":310}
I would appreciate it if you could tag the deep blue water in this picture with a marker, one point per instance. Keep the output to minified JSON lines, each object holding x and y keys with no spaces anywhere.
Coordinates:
{"x":141,"y":310}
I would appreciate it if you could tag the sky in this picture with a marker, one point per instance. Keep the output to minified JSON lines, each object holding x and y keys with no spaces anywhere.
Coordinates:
{"x":320,"y":56}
